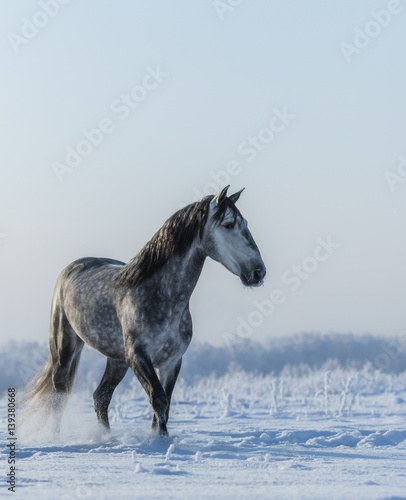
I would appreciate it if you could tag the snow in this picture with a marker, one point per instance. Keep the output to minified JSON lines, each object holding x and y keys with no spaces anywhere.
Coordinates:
{"x":329,"y":428}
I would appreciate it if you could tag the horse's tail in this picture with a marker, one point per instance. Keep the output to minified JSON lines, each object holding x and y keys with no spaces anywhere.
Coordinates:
{"x":48,"y":391}
{"x":40,"y":387}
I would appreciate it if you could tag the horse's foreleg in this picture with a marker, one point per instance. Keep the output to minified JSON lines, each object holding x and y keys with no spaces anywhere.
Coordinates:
{"x":142,"y":366}
{"x":113,"y":375}
{"x":168,"y":379}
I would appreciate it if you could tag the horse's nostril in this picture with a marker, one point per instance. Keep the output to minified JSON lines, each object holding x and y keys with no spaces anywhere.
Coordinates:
{"x":257,"y":275}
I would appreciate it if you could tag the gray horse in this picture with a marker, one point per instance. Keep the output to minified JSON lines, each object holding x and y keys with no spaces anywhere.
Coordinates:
{"x":137,"y":314}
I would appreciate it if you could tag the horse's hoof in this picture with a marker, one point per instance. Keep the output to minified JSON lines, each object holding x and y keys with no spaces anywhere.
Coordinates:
{"x":162,"y":432}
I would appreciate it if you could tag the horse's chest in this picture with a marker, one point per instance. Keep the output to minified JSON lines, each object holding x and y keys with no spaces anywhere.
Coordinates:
{"x":167,"y":344}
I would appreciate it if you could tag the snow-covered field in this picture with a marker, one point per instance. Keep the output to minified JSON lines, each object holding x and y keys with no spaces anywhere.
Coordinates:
{"x":315,"y":429}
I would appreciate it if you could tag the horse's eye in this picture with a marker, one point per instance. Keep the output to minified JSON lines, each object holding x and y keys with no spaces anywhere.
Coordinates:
{"x":228,"y":226}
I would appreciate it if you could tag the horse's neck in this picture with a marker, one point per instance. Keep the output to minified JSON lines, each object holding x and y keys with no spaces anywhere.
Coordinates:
{"x":178,"y":276}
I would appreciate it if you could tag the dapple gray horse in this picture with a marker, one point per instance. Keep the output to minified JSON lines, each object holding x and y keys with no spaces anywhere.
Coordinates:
{"x":137,"y":314}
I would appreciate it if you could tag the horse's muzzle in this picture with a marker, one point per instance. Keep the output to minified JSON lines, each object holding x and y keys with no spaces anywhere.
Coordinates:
{"x":255,"y":278}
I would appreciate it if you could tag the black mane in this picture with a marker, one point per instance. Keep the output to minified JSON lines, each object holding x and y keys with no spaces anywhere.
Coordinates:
{"x":173,"y":238}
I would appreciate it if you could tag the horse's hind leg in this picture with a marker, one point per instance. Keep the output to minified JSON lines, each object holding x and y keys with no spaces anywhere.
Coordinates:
{"x":113,"y":375}
{"x":66,"y":348}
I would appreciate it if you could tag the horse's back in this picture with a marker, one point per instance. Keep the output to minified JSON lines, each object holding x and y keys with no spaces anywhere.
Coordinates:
{"x":87,"y":263}
{"x":86,"y":269}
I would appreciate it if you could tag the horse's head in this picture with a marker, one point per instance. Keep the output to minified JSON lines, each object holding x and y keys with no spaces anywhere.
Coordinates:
{"x":227,"y":240}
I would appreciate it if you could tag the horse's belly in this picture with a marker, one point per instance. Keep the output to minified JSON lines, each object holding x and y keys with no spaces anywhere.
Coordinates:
{"x":108,"y":341}
{"x":103,"y":332}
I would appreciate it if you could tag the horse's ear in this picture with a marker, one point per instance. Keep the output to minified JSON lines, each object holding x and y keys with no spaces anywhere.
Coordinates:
{"x":234,"y":197}
{"x":221,"y":196}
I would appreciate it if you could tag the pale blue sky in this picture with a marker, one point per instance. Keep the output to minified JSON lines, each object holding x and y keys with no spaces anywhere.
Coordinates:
{"x":323,"y":174}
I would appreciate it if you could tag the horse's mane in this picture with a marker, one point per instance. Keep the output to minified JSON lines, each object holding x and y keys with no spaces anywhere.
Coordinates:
{"x":173,"y":238}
